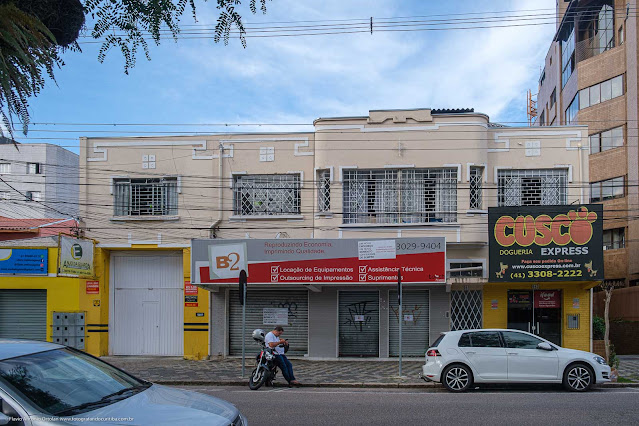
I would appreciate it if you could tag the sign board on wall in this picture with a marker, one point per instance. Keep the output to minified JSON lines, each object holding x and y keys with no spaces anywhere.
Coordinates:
{"x":76,"y":257}
{"x":93,"y":287}
{"x":336,"y":261}
{"x":275,"y":316}
{"x":190,"y":289}
{"x":547,"y":299}
{"x":24,"y":261}
{"x":546,"y":243}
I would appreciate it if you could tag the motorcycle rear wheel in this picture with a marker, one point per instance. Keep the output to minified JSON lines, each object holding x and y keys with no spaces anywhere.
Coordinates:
{"x":258,"y":378}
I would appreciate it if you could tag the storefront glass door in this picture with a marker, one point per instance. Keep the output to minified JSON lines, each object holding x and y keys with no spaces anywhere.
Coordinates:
{"x":537,"y":312}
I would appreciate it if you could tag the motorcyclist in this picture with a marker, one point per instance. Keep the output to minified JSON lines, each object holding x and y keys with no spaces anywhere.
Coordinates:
{"x":274,"y":341}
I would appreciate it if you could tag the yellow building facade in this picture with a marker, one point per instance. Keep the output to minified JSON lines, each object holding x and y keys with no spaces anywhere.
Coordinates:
{"x":46,"y":295}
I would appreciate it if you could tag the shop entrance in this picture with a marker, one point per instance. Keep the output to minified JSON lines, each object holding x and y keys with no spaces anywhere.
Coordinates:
{"x":358,"y":323}
{"x":537,"y":312}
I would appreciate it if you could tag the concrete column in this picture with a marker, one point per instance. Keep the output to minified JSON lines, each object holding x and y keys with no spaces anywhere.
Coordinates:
{"x":383,"y":323}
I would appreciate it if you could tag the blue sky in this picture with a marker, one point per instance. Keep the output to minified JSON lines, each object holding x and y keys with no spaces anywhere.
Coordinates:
{"x":298,"y":79}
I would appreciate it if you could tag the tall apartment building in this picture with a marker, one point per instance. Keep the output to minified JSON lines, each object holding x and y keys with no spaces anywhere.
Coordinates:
{"x":392,"y":174}
{"x":38,"y":181}
{"x":590,"y":78}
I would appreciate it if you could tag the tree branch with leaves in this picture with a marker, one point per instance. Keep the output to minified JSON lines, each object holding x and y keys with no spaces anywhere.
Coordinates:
{"x":34,"y":33}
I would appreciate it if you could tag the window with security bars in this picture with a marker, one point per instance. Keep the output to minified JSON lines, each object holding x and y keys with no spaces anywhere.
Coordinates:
{"x":532,"y":187}
{"x":465,"y":309}
{"x":476,"y":188}
{"x":400,"y":196}
{"x":466,"y":269}
{"x":145,"y":197}
{"x":324,"y":190}
{"x":266,"y":195}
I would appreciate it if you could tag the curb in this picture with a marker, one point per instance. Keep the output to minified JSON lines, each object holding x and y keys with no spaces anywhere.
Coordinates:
{"x":343,"y":385}
{"x":306,"y":384}
{"x":619,"y":385}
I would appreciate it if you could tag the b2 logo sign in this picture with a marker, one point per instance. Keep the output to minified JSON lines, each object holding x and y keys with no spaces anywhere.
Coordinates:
{"x":230,"y":261}
{"x":227,"y":260}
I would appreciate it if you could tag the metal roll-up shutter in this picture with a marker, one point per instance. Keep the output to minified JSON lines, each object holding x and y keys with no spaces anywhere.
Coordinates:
{"x":359,"y":323}
{"x":148,"y":303}
{"x":415,"y":333}
{"x":23,"y":314}
{"x":296,"y":301}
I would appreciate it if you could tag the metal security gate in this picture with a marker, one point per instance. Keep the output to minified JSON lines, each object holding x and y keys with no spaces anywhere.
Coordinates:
{"x":416,"y":325}
{"x":23,"y":314}
{"x":465,"y":309}
{"x":257,"y":301}
{"x":148,"y":304}
{"x":358,"y":323}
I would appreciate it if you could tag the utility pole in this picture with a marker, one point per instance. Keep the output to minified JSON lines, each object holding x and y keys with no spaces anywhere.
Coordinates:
{"x":400,"y":316}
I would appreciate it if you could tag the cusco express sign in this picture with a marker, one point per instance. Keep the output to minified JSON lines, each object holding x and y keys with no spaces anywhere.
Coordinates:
{"x":546,"y":243}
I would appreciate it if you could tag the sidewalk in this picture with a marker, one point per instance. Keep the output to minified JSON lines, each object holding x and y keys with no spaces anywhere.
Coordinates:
{"x":177,"y":371}
{"x":629,"y":367}
{"x":359,"y":373}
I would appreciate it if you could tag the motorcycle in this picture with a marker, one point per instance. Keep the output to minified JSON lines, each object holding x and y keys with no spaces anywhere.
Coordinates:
{"x":265,"y":367}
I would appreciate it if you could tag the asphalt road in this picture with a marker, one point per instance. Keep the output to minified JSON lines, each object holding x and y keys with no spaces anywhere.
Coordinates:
{"x":514,"y":406}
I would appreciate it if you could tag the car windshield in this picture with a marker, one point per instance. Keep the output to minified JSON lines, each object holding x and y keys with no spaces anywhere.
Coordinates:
{"x":64,"y":381}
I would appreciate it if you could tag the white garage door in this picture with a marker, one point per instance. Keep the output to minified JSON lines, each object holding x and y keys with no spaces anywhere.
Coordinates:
{"x":148,"y":313}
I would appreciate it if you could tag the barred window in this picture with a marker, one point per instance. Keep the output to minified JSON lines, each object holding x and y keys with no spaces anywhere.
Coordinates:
{"x":532,"y":187}
{"x":324,"y":190}
{"x":476,"y":187}
{"x":145,"y":197}
{"x":400,"y":196}
{"x":266,"y":195}
{"x":466,"y":269}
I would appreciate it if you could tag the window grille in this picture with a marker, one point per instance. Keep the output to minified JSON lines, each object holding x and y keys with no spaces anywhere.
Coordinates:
{"x":532,"y":187}
{"x":476,"y":188}
{"x":400,"y":196}
{"x":266,"y":195}
{"x":465,"y":310}
{"x":466,"y":269}
{"x":324,"y":190}
{"x":145,"y":197}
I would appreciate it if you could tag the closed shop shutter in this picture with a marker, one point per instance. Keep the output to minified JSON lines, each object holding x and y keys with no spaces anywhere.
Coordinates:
{"x":295,"y":301}
{"x":359,"y":323}
{"x":148,"y":303}
{"x":23,"y":314}
{"x":415,"y":331}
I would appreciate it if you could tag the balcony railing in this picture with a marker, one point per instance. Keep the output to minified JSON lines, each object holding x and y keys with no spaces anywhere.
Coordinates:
{"x":591,"y":47}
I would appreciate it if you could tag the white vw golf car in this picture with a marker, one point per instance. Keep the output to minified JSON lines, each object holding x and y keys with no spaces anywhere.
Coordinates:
{"x":460,"y":358}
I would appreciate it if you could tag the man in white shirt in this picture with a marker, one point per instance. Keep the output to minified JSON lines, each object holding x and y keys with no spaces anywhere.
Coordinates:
{"x":273,"y":340}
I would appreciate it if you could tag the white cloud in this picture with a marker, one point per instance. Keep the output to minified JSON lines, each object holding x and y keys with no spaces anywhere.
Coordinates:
{"x":302,"y":78}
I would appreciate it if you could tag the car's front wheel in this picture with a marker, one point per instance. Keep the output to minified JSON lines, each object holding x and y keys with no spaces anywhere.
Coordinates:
{"x":457,"y":378}
{"x":578,"y":378}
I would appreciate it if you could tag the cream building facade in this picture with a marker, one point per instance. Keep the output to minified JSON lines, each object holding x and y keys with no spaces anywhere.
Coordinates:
{"x":392,"y":174}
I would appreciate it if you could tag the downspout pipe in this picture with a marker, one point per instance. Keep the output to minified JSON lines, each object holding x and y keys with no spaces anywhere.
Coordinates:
{"x":220,"y":200}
